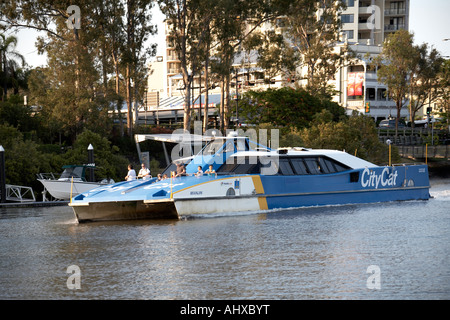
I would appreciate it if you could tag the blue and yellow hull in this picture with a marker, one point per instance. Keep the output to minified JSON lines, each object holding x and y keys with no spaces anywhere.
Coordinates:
{"x":187,"y":196}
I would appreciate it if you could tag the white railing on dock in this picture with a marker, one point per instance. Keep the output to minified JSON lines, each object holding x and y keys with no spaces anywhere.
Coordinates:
{"x":19,"y":193}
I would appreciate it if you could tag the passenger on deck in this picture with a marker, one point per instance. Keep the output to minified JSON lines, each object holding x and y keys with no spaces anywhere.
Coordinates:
{"x":199,"y":173}
{"x":181,"y":170}
{"x":210,"y":171}
{"x":131,"y":173}
{"x":144,"y":173}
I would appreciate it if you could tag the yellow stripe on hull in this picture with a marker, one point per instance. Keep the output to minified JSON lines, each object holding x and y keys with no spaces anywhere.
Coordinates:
{"x":263,"y":203}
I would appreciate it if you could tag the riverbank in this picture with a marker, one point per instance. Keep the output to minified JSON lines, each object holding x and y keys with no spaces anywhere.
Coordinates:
{"x":439,"y":169}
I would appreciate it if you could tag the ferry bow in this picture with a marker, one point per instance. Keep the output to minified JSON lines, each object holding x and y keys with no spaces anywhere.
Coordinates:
{"x":252,"y":179}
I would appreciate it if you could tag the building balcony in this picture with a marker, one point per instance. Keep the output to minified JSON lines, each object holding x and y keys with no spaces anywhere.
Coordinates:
{"x":364,"y":26}
{"x":393,"y":27}
{"x":371,"y":76}
{"x":172,"y":71}
{"x":395,"y":12}
{"x":172,"y":57}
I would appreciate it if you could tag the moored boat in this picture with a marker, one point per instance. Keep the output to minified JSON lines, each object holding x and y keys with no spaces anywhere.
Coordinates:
{"x":70,"y":183}
{"x":247,"y":179}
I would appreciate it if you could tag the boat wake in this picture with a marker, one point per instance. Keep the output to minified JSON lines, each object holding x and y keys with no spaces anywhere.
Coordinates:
{"x":440,"y":190}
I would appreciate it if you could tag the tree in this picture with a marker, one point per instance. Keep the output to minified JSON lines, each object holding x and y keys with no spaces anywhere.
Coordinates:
{"x":211,"y":28}
{"x":189,"y":23}
{"x":71,"y":72}
{"x":285,"y":108}
{"x":137,"y":28}
{"x":80,"y":55}
{"x":109,"y":162}
{"x":8,"y":64}
{"x":444,"y":89}
{"x":111,"y":39}
{"x":311,"y":29}
{"x":22,"y":158}
{"x":14,"y":112}
{"x":396,"y":61}
{"x":275,"y":55}
{"x":424,"y":80}
{"x":356,"y":135}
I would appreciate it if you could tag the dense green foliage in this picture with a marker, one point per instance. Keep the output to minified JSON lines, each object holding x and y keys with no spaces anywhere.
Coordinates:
{"x":285,"y":108}
{"x":356,"y":134}
{"x":24,"y":159}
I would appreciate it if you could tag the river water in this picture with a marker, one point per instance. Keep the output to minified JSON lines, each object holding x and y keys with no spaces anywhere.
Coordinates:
{"x":397,"y":250}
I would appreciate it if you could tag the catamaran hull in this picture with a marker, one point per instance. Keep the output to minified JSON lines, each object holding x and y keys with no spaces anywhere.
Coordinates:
{"x":176,"y":209}
{"x":294,"y":179}
{"x":124,"y":210}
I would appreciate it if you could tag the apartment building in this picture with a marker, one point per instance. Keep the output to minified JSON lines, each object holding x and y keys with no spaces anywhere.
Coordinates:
{"x":365,"y":25}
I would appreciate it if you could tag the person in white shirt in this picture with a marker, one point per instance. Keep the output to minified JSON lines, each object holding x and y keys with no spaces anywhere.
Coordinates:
{"x":144,"y":173}
{"x":131,"y":173}
{"x":199,"y":173}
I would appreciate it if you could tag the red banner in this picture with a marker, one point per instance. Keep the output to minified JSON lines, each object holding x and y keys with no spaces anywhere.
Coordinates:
{"x":355,"y":83}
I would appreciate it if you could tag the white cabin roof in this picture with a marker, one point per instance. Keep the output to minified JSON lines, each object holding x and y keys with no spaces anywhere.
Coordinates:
{"x":340,"y":156}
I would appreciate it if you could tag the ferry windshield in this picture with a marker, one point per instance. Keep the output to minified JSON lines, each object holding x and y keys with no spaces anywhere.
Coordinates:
{"x":213,"y":147}
{"x":229,"y":145}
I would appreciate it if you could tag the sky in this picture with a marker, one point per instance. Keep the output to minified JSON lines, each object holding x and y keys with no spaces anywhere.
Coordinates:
{"x":429,"y":22}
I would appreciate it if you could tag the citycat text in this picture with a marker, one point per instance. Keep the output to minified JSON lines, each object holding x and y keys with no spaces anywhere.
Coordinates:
{"x":370,"y":179}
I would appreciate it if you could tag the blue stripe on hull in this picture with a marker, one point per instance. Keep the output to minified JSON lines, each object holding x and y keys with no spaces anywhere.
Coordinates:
{"x":322,"y":199}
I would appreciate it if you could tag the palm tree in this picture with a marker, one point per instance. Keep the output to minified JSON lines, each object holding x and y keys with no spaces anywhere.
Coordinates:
{"x":8,"y":63}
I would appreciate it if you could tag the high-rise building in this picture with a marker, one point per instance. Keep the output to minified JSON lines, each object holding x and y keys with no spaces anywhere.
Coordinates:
{"x":365,"y":26}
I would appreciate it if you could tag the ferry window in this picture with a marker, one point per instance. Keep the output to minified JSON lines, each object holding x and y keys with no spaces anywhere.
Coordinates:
{"x":330,"y":165}
{"x":285,"y":167}
{"x":337,"y":165}
{"x":171,"y":167}
{"x":354,"y":176}
{"x":340,"y":167}
{"x":312,"y":165}
{"x":244,"y":165}
{"x":299,"y":166}
{"x":244,"y":168}
{"x":323,"y":166}
{"x":240,"y":145}
{"x":213,"y":146}
{"x":228,"y":166}
{"x":268,"y":166}
{"x":327,"y":165}
{"x":240,"y":165}
{"x":229,"y":147}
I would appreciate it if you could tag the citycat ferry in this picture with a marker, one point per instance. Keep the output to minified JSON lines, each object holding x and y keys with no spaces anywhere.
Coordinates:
{"x":253,"y":178}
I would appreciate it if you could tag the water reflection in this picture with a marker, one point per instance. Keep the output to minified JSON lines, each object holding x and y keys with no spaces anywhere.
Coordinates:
{"x":308,"y":253}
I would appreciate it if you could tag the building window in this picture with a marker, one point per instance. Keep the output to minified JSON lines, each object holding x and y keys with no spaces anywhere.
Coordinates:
{"x":370,"y":93}
{"x":348,"y":34}
{"x":349,"y":3}
{"x":347,"y":18}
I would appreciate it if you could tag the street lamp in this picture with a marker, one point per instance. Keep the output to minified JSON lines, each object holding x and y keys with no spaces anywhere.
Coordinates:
{"x":91,"y":162}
